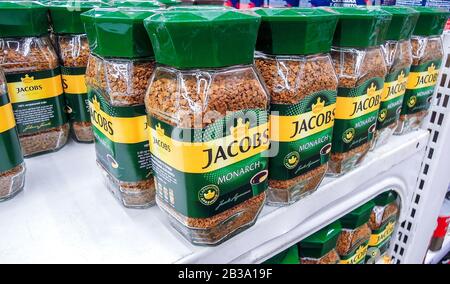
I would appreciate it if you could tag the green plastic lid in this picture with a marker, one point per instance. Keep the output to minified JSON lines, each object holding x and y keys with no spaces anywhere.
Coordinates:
{"x":23,"y":19}
{"x":385,"y":198}
{"x":357,"y":217}
{"x":403,"y":21}
{"x":203,"y":38}
{"x":361,"y":27}
{"x":431,"y":21}
{"x":295,"y":31}
{"x":198,"y":7}
{"x":66,"y":18}
{"x":118,"y":33}
{"x":289,"y":256}
{"x":321,"y":242}
{"x":136,"y":4}
{"x":170,"y":3}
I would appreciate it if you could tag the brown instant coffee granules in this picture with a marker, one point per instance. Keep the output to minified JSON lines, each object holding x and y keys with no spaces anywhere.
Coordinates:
{"x":331,"y":257}
{"x":348,"y":239}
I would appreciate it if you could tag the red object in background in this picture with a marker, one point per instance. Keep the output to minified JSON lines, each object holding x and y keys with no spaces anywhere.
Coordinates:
{"x":447,"y":25}
{"x":442,"y":226}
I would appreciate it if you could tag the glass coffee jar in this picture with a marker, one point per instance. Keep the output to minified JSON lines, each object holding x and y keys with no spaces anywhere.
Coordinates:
{"x":427,"y":52}
{"x":382,"y":222}
{"x":398,"y":54}
{"x":33,"y":75}
{"x":299,"y":74}
{"x":208,"y":116}
{"x":361,"y":68}
{"x":117,"y":76}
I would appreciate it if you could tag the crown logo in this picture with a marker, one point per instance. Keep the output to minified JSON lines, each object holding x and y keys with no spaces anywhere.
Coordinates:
{"x":95,"y":103}
{"x":361,"y":250}
{"x":372,"y":90}
{"x":159,"y":129}
{"x":401,"y":76}
{"x":292,"y":160}
{"x":318,"y":106}
{"x":27,"y":79}
{"x":241,"y":128}
{"x":432,"y":68}
{"x":390,"y":227}
{"x":209,"y":195}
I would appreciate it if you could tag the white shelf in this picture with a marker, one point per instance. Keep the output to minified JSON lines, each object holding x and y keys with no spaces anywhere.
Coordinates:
{"x":66,"y":214}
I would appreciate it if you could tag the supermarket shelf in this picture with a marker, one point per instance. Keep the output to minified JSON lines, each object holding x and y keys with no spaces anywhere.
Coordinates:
{"x":66,"y":214}
{"x":434,"y":257}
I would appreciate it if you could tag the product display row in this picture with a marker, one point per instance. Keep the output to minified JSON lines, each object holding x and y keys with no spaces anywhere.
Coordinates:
{"x":210,"y":132}
{"x":362,"y":236}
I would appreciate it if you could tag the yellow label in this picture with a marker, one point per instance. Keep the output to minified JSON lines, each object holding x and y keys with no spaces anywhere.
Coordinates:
{"x":293,"y":128}
{"x":376,"y":239}
{"x":30,"y":89}
{"x":127,"y":130}
{"x":359,"y":255}
{"x":394,"y":89}
{"x":418,"y":80}
{"x":74,"y":84}
{"x":243,"y":143}
{"x":7,"y":120}
{"x":354,"y":107}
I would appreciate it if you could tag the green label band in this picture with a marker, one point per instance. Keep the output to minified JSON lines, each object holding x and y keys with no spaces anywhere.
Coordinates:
{"x":420,"y":87}
{"x":121,"y":139}
{"x":392,"y":98}
{"x":308,"y":126}
{"x":10,"y":151}
{"x":37,"y":100}
{"x":356,"y":115}
{"x":212,"y":171}
{"x":76,"y":93}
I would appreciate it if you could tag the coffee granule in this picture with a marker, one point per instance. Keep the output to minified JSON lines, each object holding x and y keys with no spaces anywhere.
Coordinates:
{"x":74,"y":52}
{"x":186,"y":105}
{"x":349,"y":239}
{"x":331,"y":257}
{"x":31,"y":54}
{"x":196,"y":99}
{"x":11,"y":182}
{"x":211,"y":231}
{"x":389,"y":210}
{"x":132,"y":194}
{"x":424,"y":49}
{"x":83,"y":131}
{"x":291,"y":79}
{"x":353,"y":67}
{"x":125,"y":81}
